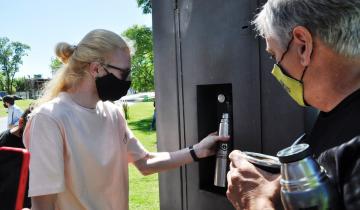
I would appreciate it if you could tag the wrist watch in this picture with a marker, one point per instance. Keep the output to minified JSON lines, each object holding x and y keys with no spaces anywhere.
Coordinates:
{"x":193,"y":154}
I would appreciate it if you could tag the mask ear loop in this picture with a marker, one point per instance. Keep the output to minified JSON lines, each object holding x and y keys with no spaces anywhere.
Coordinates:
{"x":287,"y":49}
{"x":303,"y":74}
{"x":97,"y":71}
{"x":107,"y":71}
{"x":283,"y":55}
{"x":306,"y":67}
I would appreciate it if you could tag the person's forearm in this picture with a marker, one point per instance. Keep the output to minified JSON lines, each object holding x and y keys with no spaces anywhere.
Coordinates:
{"x":156,"y":162}
{"x":44,"y":202}
{"x":160,"y":161}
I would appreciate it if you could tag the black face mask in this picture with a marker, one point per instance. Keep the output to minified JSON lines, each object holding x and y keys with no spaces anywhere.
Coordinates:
{"x":6,"y":106}
{"x":111,"y":88}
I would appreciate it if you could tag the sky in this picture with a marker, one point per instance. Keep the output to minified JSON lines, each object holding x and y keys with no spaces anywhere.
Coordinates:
{"x":41,"y":24}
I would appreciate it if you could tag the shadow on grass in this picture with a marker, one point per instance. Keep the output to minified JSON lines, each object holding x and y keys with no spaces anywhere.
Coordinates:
{"x":141,"y":125}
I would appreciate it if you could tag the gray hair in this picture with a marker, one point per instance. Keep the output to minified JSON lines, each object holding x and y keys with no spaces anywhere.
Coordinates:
{"x":335,"y":22}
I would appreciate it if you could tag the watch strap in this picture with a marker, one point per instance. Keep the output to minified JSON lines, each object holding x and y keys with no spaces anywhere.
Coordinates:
{"x":193,"y":154}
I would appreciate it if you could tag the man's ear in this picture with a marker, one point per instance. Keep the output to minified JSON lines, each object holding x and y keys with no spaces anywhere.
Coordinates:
{"x":94,"y":68}
{"x":304,"y":41}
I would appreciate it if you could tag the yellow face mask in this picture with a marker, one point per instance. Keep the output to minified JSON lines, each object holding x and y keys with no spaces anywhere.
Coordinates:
{"x":295,"y":88}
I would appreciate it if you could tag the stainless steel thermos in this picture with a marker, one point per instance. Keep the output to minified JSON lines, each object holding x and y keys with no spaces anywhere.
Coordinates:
{"x":222,"y":153}
{"x":304,"y":183}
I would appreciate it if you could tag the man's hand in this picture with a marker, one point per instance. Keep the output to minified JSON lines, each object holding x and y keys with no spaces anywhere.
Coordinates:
{"x":250,"y":188}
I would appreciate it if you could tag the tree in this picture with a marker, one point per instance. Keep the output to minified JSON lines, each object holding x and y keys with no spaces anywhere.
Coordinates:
{"x":142,"y":63}
{"x":11,"y":54}
{"x":55,"y":65}
{"x":2,"y":82}
{"x":145,"y":6}
{"x":20,"y":84}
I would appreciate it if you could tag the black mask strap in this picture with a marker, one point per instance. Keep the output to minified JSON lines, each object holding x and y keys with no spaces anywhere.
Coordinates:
{"x":105,"y":69}
{"x":287,"y":49}
{"x":306,"y":67}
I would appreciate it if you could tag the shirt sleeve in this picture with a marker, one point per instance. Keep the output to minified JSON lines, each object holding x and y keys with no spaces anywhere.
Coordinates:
{"x":44,"y":140}
{"x":135,"y":150}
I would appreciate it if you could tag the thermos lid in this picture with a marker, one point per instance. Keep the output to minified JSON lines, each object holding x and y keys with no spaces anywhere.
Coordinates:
{"x":294,"y":153}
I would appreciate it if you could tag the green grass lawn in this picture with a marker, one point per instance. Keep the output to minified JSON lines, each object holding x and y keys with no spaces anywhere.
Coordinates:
{"x":23,"y":104}
{"x":144,"y":190}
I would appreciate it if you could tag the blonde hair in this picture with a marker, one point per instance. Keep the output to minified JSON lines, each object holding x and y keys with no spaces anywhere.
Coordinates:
{"x":97,"y":45}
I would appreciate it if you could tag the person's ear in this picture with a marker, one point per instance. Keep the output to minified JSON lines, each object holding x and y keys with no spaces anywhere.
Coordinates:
{"x":304,"y":42}
{"x":94,"y":68}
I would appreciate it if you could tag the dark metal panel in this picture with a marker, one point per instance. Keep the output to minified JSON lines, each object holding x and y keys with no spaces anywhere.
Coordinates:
{"x":199,"y":42}
{"x":217,"y":50}
{"x":217,"y":46}
{"x":167,"y":100}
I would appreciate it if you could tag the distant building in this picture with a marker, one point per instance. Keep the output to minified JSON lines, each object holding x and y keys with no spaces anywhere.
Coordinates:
{"x":33,"y":87}
{"x":36,"y":84}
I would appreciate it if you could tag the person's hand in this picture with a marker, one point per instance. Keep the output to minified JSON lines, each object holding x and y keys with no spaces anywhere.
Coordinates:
{"x":207,"y":146}
{"x":250,"y":188}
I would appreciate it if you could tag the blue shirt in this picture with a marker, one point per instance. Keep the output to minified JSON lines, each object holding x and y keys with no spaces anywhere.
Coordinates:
{"x":14,"y":114}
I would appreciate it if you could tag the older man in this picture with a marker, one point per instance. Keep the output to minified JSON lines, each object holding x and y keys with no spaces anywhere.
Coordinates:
{"x":316,"y":46}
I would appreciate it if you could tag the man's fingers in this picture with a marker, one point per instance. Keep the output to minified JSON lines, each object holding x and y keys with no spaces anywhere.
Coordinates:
{"x":234,"y":153}
{"x":238,"y":159}
{"x":228,"y":177}
{"x":231,"y":166}
{"x":233,"y":192}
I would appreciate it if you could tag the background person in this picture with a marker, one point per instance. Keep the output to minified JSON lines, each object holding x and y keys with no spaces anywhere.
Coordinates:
{"x":9,"y":175}
{"x":14,"y":112}
{"x":153,"y":120}
{"x":80,"y":143}
{"x":315,"y":44}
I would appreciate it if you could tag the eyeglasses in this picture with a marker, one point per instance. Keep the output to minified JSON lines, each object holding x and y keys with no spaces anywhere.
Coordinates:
{"x":124,"y":72}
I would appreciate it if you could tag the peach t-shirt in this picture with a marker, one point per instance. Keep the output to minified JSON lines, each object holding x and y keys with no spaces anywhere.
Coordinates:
{"x":81,"y":154}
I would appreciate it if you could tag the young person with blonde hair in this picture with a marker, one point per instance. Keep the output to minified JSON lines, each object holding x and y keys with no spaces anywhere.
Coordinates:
{"x":80,"y":143}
